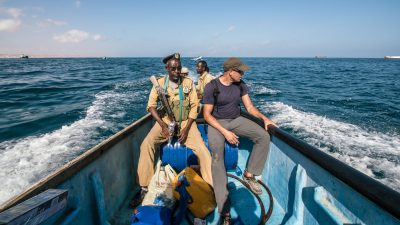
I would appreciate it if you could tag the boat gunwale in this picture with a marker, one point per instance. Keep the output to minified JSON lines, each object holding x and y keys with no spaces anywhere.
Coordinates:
{"x":377,"y":192}
{"x":71,"y":168}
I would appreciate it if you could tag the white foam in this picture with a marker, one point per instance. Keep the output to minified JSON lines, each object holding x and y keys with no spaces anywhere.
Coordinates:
{"x":261,"y":88}
{"x":27,"y":160}
{"x":368,"y":151}
{"x":266,"y":90}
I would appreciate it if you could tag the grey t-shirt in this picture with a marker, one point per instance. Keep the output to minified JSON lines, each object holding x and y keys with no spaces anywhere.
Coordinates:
{"x":228,"y":99}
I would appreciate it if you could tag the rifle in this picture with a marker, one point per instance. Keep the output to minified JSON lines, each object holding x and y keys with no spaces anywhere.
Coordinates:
{"x":162,"y":95}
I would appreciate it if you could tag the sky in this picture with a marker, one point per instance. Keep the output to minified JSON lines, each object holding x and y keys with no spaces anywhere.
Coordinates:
{"x":286,"y":28}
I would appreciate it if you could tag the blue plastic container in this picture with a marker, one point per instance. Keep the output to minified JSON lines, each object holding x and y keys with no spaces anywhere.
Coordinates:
{"x":151,"y":215}
{"x":180,"y":157}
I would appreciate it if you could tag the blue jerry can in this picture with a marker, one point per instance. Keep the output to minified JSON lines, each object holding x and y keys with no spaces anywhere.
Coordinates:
{"x":151,"y":215}
{"x":180,"y":156}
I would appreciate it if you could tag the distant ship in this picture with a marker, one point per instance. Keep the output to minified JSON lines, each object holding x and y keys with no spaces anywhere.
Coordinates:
{"x":392,"y":57}
{"x":198,"y":58}
{"x":320,"y":57}
{"x":24,"y":56}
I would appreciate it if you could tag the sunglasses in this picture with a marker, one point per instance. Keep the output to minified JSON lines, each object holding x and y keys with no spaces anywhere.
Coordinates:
{"x":175,"y":68}
{"x":239,"y":71}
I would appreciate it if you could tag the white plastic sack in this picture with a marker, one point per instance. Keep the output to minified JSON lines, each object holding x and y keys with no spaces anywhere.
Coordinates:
{"x":160,"y":189}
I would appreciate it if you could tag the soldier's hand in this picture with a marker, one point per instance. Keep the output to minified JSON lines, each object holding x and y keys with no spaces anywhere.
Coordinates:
{"x":231,"y":137}
{"x":183,"y":135}
{"x":165,"y":131}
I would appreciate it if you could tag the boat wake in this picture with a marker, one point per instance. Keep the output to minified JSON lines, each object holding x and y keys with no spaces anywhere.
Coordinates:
{"x":26,"y":161}
{"x":262,"y":90}
{"x":373,"y":153}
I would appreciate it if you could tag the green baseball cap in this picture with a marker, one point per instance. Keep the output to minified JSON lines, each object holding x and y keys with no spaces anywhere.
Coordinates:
{"x":234,"y":63}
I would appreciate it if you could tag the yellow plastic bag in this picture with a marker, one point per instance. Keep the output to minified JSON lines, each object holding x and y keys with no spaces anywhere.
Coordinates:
{"x":203,"y":199}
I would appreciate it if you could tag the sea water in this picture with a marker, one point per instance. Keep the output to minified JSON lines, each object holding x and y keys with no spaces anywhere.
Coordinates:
{"x":52,"y":110}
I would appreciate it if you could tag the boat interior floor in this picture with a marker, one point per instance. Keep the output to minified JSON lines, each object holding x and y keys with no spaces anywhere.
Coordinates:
{"x":245,"y":208}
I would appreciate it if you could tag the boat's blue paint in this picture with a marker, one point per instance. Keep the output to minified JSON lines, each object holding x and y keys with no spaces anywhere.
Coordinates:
{"x":303,"y":191}
{"x":99,"y":197}
{"x":72,"y":214}
{"x":297,"y":209}
{"x":321,"y":197}
{"x":280,"y":175}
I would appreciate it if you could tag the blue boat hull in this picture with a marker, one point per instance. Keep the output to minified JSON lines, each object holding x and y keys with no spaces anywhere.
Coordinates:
{"x":308,"y":186}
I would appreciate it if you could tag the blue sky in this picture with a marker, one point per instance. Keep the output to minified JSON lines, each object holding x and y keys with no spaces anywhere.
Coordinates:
{"x":301,"y":28}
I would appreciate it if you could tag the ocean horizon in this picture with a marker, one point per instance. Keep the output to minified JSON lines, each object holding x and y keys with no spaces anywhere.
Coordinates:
{"x":33,"y":56}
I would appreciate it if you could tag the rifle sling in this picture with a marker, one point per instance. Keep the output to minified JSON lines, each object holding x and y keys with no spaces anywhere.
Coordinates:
{"x":180,"y":97}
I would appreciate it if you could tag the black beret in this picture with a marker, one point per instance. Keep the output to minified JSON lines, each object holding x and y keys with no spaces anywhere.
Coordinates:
{"x":167,"y":58}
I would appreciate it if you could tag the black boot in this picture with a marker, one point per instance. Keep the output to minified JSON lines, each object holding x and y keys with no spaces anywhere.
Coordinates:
{"x":138,"y":198}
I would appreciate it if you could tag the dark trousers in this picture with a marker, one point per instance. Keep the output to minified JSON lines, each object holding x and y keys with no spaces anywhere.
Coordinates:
{"x":241,"y":127}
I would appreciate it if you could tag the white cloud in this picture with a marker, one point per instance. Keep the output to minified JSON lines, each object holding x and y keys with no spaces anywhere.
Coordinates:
{"x":9,"y":25}
{"x":56,"y":22}
{"x":97,"y":37}
{"x":49,"y":22}
{"x":72,"y":36}
{"x":78,"y":4}
{"x":231,"y":28}
{"x":14,"y":12}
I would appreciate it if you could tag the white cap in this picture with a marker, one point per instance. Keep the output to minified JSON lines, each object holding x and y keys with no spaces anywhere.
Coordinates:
{"x":185,"y":70}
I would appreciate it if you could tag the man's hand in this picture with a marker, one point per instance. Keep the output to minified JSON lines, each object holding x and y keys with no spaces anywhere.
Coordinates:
{"x":183,"y":135}
{"x":231,"y":137}
{"x":163,"y":125}
{"x":165,"y":130}
{"x":268,"y":122}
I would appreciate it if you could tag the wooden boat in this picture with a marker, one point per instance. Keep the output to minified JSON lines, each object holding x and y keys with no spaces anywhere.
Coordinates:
{"x":307,"y":185}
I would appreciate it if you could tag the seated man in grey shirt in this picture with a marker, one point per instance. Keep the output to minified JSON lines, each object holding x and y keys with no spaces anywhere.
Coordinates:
{"x":222,"y":98}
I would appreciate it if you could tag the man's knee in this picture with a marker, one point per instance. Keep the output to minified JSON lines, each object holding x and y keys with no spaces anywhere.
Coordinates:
{"x":266,"y":137}
{"x":216,"y":149}
{"x":262,"y":136}
{"x":146,"y":144}
{"x":215,"y":157}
